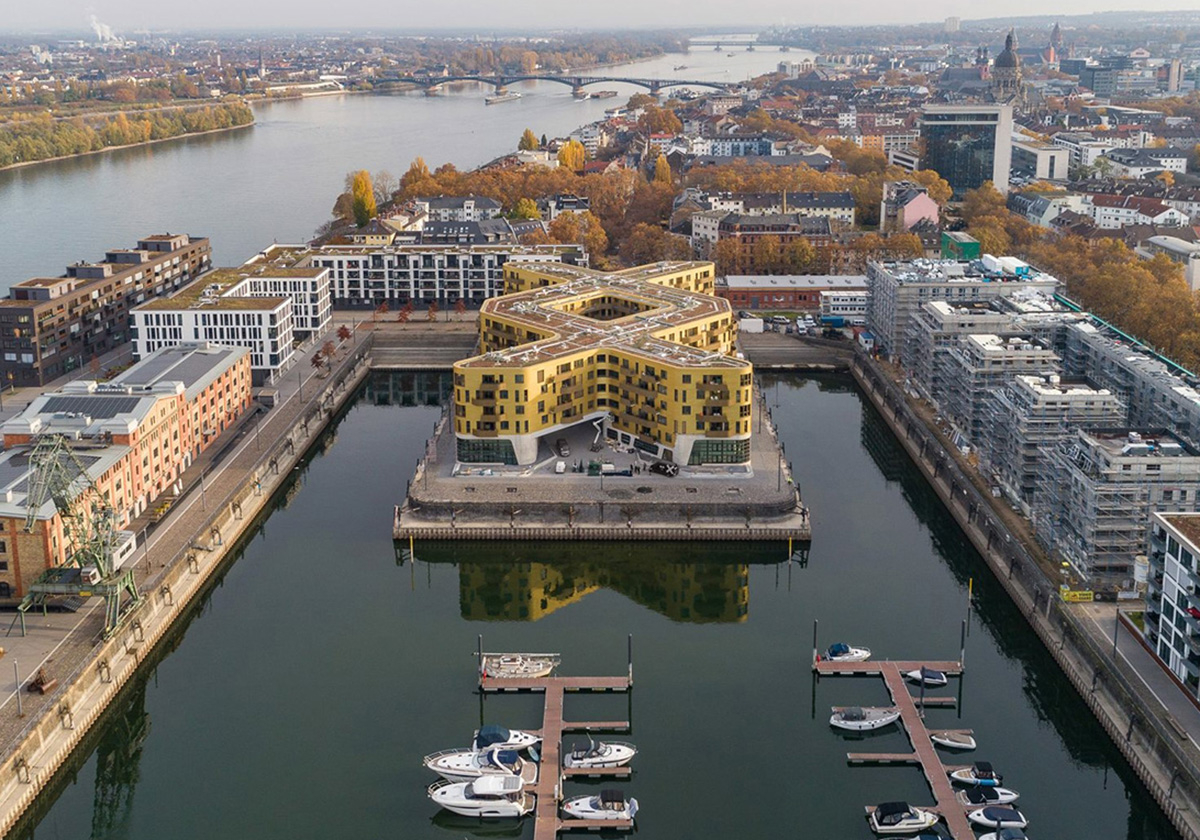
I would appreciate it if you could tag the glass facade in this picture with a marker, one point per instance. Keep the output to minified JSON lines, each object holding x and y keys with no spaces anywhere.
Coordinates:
{"x":719,"y":452}
{"x":486,"y":451}
{"x":961,"y":148}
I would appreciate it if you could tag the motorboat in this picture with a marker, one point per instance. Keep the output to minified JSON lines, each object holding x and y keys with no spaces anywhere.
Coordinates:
{"x":841,"y":652}
{"x":496,"y":737}
{"x":900,"y":818}
{"x":600,"y":754}
{"x":467,"y":765}
{"x":979,"y":773}
{"x":953,"y":740}
{"x":1005,"y":834}
{"x":488,"y":796}
{"x":608,"y":805}
{"x":997,"y":816}
{"x":496,"y":99}
{"x":860,"y":719}
{"x":981,"y":797}
{"x":928,"y":676}
{"x":515,"y":666}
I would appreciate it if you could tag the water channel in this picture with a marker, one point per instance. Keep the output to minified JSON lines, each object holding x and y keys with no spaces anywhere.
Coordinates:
{"x":299,"y":700}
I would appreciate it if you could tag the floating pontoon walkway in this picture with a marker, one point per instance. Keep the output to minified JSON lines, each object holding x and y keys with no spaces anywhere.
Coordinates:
{"x":551,"y":774}
{"x":924,"y":753}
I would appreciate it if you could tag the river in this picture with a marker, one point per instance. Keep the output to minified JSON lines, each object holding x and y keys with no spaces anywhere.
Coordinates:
{"x":278,"y":180}
{"x":298,"y":702}
{"x":299,"y":698}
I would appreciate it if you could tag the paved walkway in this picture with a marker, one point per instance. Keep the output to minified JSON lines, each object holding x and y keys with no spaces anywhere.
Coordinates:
{"x":1149,"y":671}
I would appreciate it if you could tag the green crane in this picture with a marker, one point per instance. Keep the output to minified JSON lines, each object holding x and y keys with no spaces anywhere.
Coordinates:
{"x":89,"y":532}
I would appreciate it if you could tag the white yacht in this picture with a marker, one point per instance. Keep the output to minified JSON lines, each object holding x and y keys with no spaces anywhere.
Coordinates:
{"x":900,"y":818}
{"x":1005,"y":834}
{"x":841,"y":652}
{"x":931,"y":678}
{"x":952,"y":740}
{"x":600,"y":754}
{"x":860,"y":719}
{"x":979,"y":773}
{"x":996,"y":816}
{"x":496,"y":737}
{"x":489,"y":796}
{"x":981,"y":797}
{"x":513,"y":666}
{"x":608,"y":805}
{"x":467,"y":765}
{"x":497,"y":98}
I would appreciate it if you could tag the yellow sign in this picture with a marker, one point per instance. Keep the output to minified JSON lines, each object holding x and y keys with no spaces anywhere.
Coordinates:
{"x":1078,"y":596}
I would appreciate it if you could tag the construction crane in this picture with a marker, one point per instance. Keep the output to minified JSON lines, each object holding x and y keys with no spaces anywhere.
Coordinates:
{"x":89,"y":533}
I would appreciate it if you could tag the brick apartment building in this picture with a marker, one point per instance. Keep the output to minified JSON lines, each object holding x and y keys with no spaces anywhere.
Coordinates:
{"x":50,"y":326}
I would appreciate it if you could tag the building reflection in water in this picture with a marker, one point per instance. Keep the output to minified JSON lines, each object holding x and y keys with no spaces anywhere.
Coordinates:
{"x":526,"y":582}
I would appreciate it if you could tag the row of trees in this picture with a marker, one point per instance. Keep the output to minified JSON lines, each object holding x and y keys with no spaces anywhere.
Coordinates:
{"x":1145,"y":298}
{"x":42,"y":137}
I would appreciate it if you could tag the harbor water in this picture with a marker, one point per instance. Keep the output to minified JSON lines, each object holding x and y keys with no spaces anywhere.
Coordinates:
{"x":300,"y":698}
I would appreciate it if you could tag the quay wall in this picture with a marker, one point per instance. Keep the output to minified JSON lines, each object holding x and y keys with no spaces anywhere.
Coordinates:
{"x":1163,"y":759}
{"x":62,"y":721}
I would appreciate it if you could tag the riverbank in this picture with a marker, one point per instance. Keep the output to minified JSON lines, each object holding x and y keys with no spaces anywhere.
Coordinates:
{"x":1167,"y":763}
{"x":28,"y":163}
{"x":252,"y":468}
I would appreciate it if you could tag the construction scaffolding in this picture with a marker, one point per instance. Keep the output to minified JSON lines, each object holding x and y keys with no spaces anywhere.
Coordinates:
{"x":1027,"y":419}
{"x":1092,"y":507}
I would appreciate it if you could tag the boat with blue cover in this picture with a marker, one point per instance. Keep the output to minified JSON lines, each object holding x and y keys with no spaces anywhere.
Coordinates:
{"x":493,"y":736}
{"x":979,"y":773}
{"x":466,"y":765}
{"x":842,"y":652}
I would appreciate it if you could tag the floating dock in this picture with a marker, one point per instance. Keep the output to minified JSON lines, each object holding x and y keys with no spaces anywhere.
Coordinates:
{"x":925,"y":754}
{"x":551,"y":773}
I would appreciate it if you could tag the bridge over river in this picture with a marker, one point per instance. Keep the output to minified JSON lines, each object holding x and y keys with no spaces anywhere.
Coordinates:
{"x":577,"y":83}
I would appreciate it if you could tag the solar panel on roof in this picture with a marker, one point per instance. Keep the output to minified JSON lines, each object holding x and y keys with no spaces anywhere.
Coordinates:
{"x":96,"y":407}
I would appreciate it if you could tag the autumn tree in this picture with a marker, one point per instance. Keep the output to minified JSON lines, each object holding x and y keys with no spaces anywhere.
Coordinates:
{"x":363,"y":193}
{"x":431,"y":315}
{"x":572,"y":155}
{"x":528,"y":141}
{"x":343,"y":333}
{"x":656,"y":120}
{"x":460,"y":307}
{"x":329,"y":349}
{"x":662,"y":170}
{"x":317,"y":361}
{"x":584,"y":229}
{"x":526,"y":208}
{"x":381,"y":310}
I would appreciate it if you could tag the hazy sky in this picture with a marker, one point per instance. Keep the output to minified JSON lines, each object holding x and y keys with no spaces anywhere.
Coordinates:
{"x":128,"y":15}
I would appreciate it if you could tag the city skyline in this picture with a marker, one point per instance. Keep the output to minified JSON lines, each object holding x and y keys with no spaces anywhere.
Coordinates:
{"x":129,"y":16}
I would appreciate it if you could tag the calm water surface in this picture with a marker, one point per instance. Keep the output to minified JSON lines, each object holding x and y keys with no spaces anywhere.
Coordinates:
{"x":300,"y":699}
{"x":278,"y":180}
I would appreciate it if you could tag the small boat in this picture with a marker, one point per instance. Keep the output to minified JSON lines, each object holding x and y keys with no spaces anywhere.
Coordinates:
{"x":859,"y":719}
{"x":844,"y":653}
{"x":981,"y":797}
{"x":995,"y":816}
{"x":953,"y":740}
{"x":609,"y":805}
{"x":979,"y":773}
{"x":928,"y":676}
{"x":468,"y":765}
{"x":516,"y":666}
{"x":497,"y":98}
{"x":603,"y":94}
{"x":500,"y":738}
{"x":680,"y":66}
{"x":600,"y":754}
{"x":1005,"y":834}
{"x":900,"y":818}
{"x":490,"y":796}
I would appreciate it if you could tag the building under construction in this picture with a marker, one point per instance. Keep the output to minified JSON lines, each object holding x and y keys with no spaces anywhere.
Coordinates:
{"x":1028,"y":418}
{"x":1099,"y":488}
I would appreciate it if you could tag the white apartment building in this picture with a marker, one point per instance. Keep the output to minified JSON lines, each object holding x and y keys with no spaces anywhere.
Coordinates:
{"x":458,"y":208}
{"x":847,"y":305}
{"x":1173,"y":595}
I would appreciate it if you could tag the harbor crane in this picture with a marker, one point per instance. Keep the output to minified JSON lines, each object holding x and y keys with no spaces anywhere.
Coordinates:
{"x":92,"y":544}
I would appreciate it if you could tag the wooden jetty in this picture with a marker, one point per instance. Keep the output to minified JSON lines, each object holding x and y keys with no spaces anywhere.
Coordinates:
{"x":552,"y":774}
{"x":924,"y":753}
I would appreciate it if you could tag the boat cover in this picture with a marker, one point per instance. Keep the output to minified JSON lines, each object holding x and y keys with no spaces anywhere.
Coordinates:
{"x":839,"y":649}
{"x":981,"y":795}
{"x":930,"y":674}
{"x":1011,"y":834}
{"x":854,"y":713}
{"x":504,"y":758}
{"x":983,"y":770}
{"x":491,"y":734}
{"x":611,"y":796}
{"x":891,"y":811}
{"x":1003,"y":815}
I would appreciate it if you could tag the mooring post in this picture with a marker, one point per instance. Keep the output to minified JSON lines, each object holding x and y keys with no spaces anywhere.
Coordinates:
{"x":630,"y":654}
{"x":962,"y":646}
{"x":17,"y":674}
{"x":814,"y":643}
{"x":479,"y":653}
{"x":789,"y":549}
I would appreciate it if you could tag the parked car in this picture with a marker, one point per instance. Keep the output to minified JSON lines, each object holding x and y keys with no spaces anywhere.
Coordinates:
{"x":665,"y":468}
{"x":560,"y":446}
{"x":742,"y":313}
